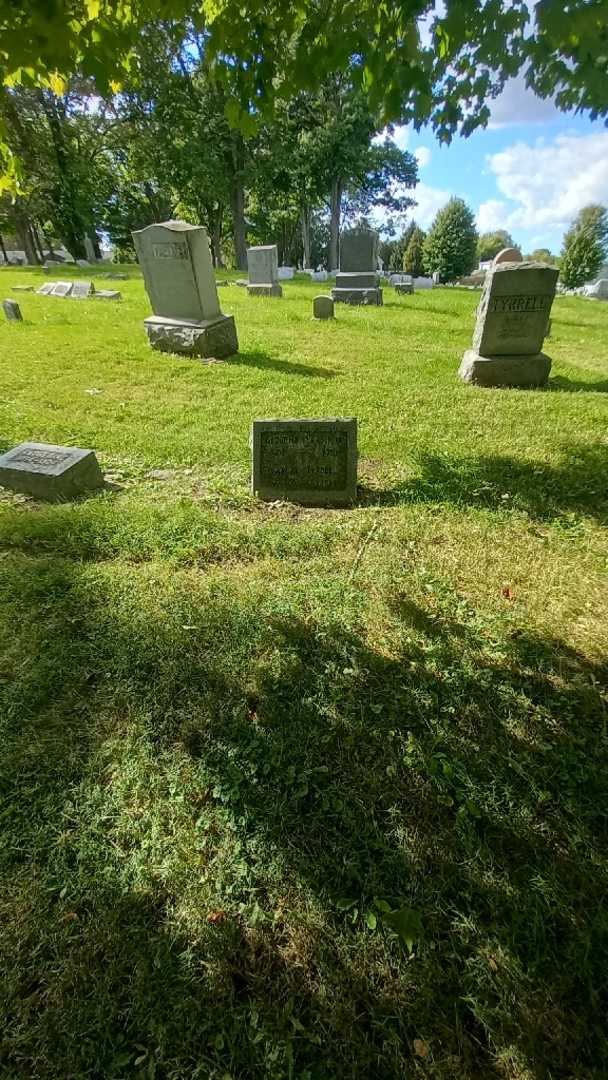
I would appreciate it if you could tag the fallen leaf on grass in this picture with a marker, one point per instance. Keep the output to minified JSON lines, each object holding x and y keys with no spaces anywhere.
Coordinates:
{"x":507,"y":592}
{"x":420,"y":1048}
{"x":68,"y":916}
{"x":216,"y":916}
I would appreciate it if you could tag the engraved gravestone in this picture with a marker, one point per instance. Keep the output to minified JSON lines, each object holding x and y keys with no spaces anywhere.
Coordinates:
{"x":12,"y":311}
{"x":508,"y":254}
{"x":313,"y":462}
{"x":50,"y":472}
{"x":357,"y":280}
{"x":179,"y":279}
{"x":263,"y":271}
{"x":81,"y":290}
{"x":512,"y":320}
{"x":62,"y":288}
{"x":45,"y":289}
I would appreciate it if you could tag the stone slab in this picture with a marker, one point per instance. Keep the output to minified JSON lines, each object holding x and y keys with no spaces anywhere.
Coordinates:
{"x":61,"y":288}
{"x":599,"y":289}
{"x":81,"y":290}
{"x":508,"y":254}
{"x":404,"y":288}
{"x":50,"y":472}
{"x":523,"y":371}
{"x":216,"y":338}
{"x":319,"y":275}
{"x":263,"y":264}
{"x":371,"y":297}
{"x":313,"y":462}
{"x":178,"y":272}
{"x":12,"y":311}
{"x":22,"y":288}
{"x":356,"y":281}
{"x":264,"y":290}
{"x":46,"y":289}
{"x":514,"y":309}
{"x":322,"y":307}
{"x":107,"y":294}
{"x":359,"y":250}
{"x":285,"y":273}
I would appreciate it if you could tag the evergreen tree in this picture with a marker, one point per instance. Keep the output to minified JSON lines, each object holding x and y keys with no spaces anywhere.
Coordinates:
{"x":490,"y":243}
{"x":451,"y":244}
{"x":413,"y":257}
{"x":584,"y":247}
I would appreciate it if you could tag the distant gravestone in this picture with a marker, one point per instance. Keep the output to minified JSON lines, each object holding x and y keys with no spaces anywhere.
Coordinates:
{"x":313,"y":462}
{"x":62,"y":288}
{"x":50,"y":472}
{"x":508,"y":254}
{"x":22,"y":288}
{"x":81,"y":290}
{"x":319,"y":275}
{"x":107,"y":294}
{"x":285,"y":273}
{"x":46,"y":289}
{"x":12,"y":311}
{"x":357,"y":279}
{"x":179,"y":279}
{"x":82,"y":262}
{"x":322,"y":307}
{"x":599,"y":289}
{"x":512,"y":320}
{"x":263,"y":271}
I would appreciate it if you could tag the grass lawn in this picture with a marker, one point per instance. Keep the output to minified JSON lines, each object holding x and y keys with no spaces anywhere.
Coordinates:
{"x":304,"y":794}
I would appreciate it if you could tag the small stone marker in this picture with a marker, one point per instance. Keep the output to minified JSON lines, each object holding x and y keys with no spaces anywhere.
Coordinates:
{"x":313,"y":462}
{"x":179,"y":279}
{"x":50,"y":472}
{"x":62,"y":288}
{"x":46,"y":289}
{"x":357,"y":280}
{"x":107,"y":294}
{"x":322,"y":307}
{"x":22,"y":288}
{"x":12,"y":311}
{"x":81,"y":290}
{"x":263,"y":270}
{"x":512,"y":320}
{"x":508,"y":254}
{"x":285,"y":273}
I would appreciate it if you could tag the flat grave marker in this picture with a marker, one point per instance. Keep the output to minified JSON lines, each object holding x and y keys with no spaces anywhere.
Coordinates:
{"x":50,"y":472}
{"x":313,"y":462}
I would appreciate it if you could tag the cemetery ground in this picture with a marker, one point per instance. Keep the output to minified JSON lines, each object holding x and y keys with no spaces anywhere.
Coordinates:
{"x":302,"y":793}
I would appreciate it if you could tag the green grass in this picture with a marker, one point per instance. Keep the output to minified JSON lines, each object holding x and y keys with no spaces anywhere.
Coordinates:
{"x":236,"y":739}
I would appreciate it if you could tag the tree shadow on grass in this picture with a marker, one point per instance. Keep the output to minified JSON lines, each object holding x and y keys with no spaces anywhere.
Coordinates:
{"x":545,"y":492}
{"x":262,"y":360}
{"x":289,"y":768}
{"x":560,"y":382}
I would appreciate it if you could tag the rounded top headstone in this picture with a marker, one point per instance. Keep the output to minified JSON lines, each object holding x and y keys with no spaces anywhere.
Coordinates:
{"x":508,"y":254}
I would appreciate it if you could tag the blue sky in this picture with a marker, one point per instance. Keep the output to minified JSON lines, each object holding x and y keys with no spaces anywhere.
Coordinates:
{"x":530,"y":171}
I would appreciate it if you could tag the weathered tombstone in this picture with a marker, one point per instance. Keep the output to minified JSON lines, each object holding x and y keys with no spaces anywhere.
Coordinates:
{"x":62,"y":288}
{"x":12,"y":311}
{"x":322,"y":307}
{"x":436,"y":276}
{"x":178,"y":275}
{"x":404,"y":286}
{"x":285,"y":273}
{"x":46,"y":289}
{"x":50,"y":472}
{"x":81,"y":290}
{"x":357,"y":280}
{"x":599,"y":289}
{"x":22,"y":288}
{"x":263,"y":270}
{"x":313,"y":462}
{"x":423,"y":283}
{"x":107,"y":294}
{"x":319,"y":275}
{"x":82,"y":262}
{"x":512,"y":320}
{"x":508,"y":254}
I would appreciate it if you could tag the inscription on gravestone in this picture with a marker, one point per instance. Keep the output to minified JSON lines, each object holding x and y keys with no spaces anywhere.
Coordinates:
{"x":48,"y":471}
{"x":313,"y":462}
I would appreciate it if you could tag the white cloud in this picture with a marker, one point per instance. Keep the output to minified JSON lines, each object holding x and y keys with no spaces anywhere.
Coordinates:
{"x":400,"y":135}
{"x":429,"y":200}
{"x":422,"y":155}
{"x":519,"y":105}
{"x":546,"y":183}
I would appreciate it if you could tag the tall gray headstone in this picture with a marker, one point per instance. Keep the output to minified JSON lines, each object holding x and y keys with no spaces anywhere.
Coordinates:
{"x":357,"y":280}
{"x":179,"y":279}
{"x":512,"y":320}
{"x":263,"y":271}
{"x":313,"y":462}
{"x":48,"y":471}
{"x":12,"y":311}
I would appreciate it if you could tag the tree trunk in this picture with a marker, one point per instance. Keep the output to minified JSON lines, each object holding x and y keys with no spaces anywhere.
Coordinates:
{"x":69,"y":218}
{"x":38,"y":242}
{"x":335,"y":208}
{"x":3,"y":249}
{"x":216,"y":238}
{"x":305,"y":223}
{"x":23,"y":232}
{"x":237,"y":201}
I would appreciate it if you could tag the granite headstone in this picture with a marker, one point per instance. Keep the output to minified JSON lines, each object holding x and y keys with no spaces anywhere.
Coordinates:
{"x":322,"y":307}
{"x":263,"y":271}
{"x":48,"y":471}
{"x":357,"y":279}
{"x":179,"y":279}
{"x":313,"y":462}
{"x":12,"y":311}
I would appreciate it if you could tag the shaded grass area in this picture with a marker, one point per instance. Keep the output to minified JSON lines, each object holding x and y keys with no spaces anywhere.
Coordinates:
{"x":243,"y":746}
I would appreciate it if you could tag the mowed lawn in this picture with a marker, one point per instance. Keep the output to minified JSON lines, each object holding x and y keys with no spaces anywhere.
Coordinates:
{"x":304,"y":794}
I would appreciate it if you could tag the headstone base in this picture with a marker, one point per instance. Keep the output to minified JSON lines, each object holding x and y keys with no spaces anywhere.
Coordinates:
{"x":404,"y":288}
{"x":216,"y":338}
{"x":525,"y":371}
{"x":358,"y":296}
{"x":264,"y":290}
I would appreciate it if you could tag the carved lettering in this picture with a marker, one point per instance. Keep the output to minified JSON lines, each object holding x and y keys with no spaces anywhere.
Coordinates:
{"x":173,"y":249}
